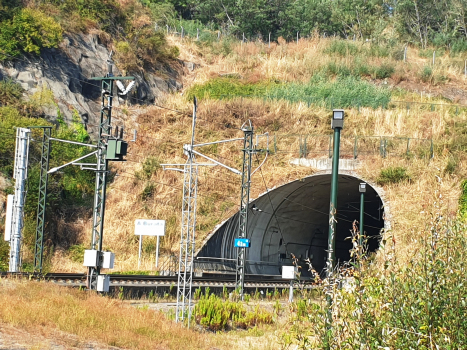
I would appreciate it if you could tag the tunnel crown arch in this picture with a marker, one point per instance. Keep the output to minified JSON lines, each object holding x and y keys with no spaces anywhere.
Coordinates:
{"x":294,"y":219}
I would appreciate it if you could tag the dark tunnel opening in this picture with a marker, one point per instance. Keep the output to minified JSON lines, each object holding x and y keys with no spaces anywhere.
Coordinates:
{"x":294,"y":218}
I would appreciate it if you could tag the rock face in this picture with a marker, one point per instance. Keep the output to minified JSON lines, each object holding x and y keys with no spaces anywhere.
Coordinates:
{"x":67,"y":71}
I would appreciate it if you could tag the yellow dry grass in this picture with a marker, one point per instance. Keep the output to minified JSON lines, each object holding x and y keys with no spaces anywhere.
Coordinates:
{"x":47,"y":308}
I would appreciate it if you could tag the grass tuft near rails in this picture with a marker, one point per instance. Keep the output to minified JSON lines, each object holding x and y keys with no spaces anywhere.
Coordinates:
{"x":47,"y":308}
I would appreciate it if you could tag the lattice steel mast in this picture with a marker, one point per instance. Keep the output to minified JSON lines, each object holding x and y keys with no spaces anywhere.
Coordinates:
{"x":42,"y":199}
{"x":244,"y":200}
{"x":187,"y":239}
{"x":104,"y":134}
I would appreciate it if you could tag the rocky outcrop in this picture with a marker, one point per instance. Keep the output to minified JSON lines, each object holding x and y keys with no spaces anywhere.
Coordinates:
{"x":68,"y":70}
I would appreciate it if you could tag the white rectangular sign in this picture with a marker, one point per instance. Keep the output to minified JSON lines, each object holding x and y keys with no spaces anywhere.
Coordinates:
{"x":150,"y":227}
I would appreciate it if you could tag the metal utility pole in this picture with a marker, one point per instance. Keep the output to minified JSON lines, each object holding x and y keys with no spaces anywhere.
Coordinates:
{"x":244,"y":200}
{"x":42,"y":199}
{"x":104,"y":134}
{"x":362,"y":190}
{"x":20,"y":174}
{"x":187,"y":239}
{"x":337,"y":124}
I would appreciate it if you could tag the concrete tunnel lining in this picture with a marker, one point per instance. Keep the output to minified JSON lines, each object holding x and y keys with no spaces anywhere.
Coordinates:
{"x":295,"y":219}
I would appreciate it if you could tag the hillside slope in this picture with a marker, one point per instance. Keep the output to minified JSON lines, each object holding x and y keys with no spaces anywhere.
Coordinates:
{"x":143,"y":190}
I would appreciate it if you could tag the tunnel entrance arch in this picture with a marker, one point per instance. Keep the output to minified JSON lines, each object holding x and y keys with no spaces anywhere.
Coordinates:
{"x":294,"y":219}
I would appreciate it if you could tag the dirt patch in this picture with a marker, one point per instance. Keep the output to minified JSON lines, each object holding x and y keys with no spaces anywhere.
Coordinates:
{"x":13,"y":338}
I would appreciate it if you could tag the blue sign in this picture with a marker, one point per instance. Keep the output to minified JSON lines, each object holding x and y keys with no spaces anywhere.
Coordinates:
{"x":242,"y":243}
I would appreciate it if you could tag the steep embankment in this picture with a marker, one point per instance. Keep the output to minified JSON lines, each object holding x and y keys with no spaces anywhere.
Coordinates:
{"x":143,"y":190}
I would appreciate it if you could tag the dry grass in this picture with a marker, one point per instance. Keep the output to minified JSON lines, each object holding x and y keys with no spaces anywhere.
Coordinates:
{"x":47,"y":308}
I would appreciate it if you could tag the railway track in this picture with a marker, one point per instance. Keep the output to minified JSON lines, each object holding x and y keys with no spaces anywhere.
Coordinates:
{"x":145,"y":281}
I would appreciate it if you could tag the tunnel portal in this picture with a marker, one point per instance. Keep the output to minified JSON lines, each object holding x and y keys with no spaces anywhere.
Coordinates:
{"x":294,"y":219}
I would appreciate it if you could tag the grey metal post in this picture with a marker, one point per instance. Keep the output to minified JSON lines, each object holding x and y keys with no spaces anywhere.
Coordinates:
{"x":434,"y":56}
{"x":291,"y":291}
{"x":297,"y":37}
{"x":157,"y":252}
{"x":244,"y":199}
{"x":140,"y":248}
{"x":197,"y":33}
{"x":20,"y":175}
{"x":269,"y":40}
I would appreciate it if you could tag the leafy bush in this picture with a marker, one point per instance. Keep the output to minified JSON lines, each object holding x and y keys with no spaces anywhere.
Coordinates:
{"x":416,"y":305}
{"x":29,"y":31}
{"x":426,"y":75}
{"x":11,"y":92}
{"x":342,"y":48}
{"x":392,"y":175}
{"x":384,"y":71}
{"x":216,"y":314}
{"x":463,"y":200}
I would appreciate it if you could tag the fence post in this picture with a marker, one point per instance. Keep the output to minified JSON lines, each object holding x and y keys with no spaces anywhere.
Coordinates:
{"x":405,"y":53}
{"x":408,"y":146}
{"x":432,"y":151}
{"x":297,"y":37}
{"x":182,"y":34}
{"x":167,"y":28}
{"x":381,"y":146}
{"x":457,"y":110}
{"x":269,"y":40}
{"x":275,"y":144}
{"x":304,"y":148}
{"x":434,"y":56}
{"x":355,"y":148}
{"x":197,"y":33}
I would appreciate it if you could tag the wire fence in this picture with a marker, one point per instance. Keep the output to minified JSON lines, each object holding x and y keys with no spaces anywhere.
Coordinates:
{"x":351,"y":147}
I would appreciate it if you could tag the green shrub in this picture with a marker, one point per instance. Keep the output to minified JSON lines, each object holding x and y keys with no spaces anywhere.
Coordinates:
{"x":28,"y":31}
{"x":392,"y":175}
{"x":384,"y":71}
{"x":216,"y":314}
{"x":76,"y":253}
{"x":11,"y":93}
{"x":342,"y":48}
{"x":426,"y":75}
{"x":463,"y":201}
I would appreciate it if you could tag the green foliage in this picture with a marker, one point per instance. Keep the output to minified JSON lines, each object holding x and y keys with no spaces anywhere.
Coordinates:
{"x":76,"y":252}
{"x":416,"y":305}
{"x":392,"y":175}
{"x":149,"y":167}
{"x":29,"y":30}
{"x":342,"y":48}
{"x":11,"y":93}
{"x":227,"y":87}
{"x":426,"y":74}
{"x":217,"y":314}
{"x":463,"y":200}
{"x":344,"y":92}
